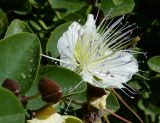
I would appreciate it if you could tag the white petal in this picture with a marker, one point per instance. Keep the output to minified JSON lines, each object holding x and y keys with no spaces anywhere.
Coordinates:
{"x":55,"y":118}
{"x":66,"y":45}
{"x":90,"y":25}
{"x":116,"y":70}
{"x":87,"y":76}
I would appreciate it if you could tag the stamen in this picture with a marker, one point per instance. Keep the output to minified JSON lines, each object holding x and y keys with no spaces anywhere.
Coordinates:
{"x":127,"y":94}
{"x":75,"y":86}
{"x":140,"y":61}
{"x":97,"y":15}
{"x":106,"y":37}
{"x":55,"y":59}
{"x":119,"y":37}
{"x":104,"y":19}
{"x":137,"y":52}
{"x":143,"y":71}
{"x":129,"y":26}
{"x":131,"y":91}
{"x":131,"y":88}
{"x":141,"y":76}
{"x":68,"y":104}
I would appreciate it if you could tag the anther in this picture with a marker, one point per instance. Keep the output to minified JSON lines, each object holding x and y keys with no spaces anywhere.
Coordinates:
{"x":140,"y":61}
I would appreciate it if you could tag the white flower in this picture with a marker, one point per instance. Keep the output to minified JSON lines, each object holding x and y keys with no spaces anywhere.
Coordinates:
{"x":49,"y":115}
{"x":54,"y":118}
{"x":97,"y":53}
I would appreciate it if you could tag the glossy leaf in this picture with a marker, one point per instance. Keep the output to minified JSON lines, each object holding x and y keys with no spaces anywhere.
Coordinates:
{"x":53,"y":39}
{"x":79,"y":98}
{"x":11,"y":109}
{"x":112,"y":102}
{"x":17,"y":26}
{"x":69,"y":5}
{"x":36,"y":103}
{"x":66,"y":79}
{"x":117,"y":2}
{"x":20,"y":59}
{"x":154,"y":63}
{"x":120,"y":7}
{"x":3,"y":22}
{"x":71,"y":119}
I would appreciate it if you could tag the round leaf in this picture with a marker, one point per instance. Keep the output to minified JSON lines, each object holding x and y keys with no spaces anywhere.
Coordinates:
{"x":66,"y":82}
{"x":72,"y":119}
{"x":70,"y":5}
{"x":112,"y":102}
{"x":119,"y":7}
{"x":17,"y":26}
{"x":67,"y":79}
{"x":36,"y":103}
{"x":3,"y":22}
{"x":19,"y":59}
{"x":154,"y":63}
{"x":55,"y":35}
{"x":11,"y":110}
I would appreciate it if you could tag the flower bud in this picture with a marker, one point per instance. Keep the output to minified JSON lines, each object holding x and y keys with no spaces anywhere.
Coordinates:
{"x":50,"y":90}
{"x":94,"y":92}
{"x":12,"y":86}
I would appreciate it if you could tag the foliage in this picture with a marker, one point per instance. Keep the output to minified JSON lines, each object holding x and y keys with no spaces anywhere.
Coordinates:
{"x":29,"y":28}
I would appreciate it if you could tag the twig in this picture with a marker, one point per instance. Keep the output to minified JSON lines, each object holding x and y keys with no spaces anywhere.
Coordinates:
{"x":126,"y":105}
{"x":117,"y":116}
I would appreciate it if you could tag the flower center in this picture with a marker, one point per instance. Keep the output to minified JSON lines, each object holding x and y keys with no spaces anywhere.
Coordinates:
{"x":88,"y":52}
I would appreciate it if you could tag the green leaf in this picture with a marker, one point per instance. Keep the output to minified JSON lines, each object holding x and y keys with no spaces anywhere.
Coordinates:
{"x":67,"y":79}
{"x":18,"y":6}
{"x":19,"y":59}
{"x":3,"y":22}
{"x":36,"y":103}
{"x":55,"y":35}
{"x":112,"y":102}
{"x":119,"y":7}
{"x":79,"y":15}
{"x":11,"y":110}
{"x":149,"y":109}
{"x":37,"y":3}
{"x":154,"y":63}
{"x":17,"y":26}
{"x":70,"y":5}
{"x":71,"y":119}
{"x":79,"y":98}
{"x":117,"y":2}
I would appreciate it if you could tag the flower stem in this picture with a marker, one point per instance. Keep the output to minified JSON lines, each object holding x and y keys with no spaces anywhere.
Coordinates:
{"x":33,"y":97}
{"x":117,"y":116}
{"x":126,"y":105}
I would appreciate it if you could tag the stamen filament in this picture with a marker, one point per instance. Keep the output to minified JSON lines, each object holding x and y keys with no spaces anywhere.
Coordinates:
{"x":75,"y":86}
{"x":55,"y":59}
